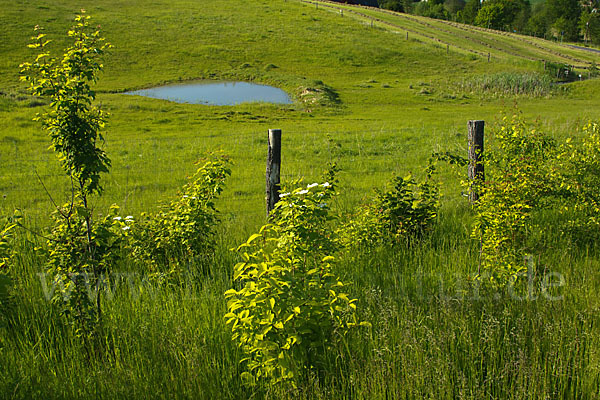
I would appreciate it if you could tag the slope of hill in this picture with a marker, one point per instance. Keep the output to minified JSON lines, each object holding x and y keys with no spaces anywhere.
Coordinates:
{"x":383,"y":85}
{"x":380,"y":85}
{"x":468,"y":38}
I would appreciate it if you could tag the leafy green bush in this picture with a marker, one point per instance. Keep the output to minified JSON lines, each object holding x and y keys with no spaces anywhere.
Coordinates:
{"x":77,"y":271}
{"x":580,"y":162}
{"x":594,"y":71}
{"x":5,"y":249}
{"x":404,"y":211}
{"x":6,"y":254}
{"x":289,"y":307}
{"x":183,"y":230}
{"x":527,"y":172}
{"x":560,"y":71}
{"x":519,"y":180}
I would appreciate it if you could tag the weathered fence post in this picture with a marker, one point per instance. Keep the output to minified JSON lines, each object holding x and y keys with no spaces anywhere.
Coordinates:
{"x":475,"y":145}
{"x":406,"y":35}
{"x":273,"y":168}
{"x":488,"y":57}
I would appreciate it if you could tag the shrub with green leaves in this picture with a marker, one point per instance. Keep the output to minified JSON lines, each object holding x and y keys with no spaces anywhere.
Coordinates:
{"x":77,"y":273}
{"x":6,"y":255}
{"x":405,"y":210}
{"x":527,"y":172}
{"x":289,"y":308}
{"x":520,"y":179}
{"x":6,"y":232}
{"x":580,"y":162}
{"x":183,"y":230}
{"x":77,"y":246}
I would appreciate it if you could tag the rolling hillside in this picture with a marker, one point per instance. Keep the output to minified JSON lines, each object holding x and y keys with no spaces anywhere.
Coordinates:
{"x":370,"y":90}
{"x":467,"y":38}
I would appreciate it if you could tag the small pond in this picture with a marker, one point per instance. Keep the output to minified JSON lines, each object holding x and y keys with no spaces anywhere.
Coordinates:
{"x":216,"y":93}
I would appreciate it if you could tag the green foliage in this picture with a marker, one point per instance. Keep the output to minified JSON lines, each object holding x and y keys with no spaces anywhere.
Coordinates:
{"x":76,"y":272}
{"x":184,"y":229}
{"x":468,"y":14}
{"x":431,"y":10}
{"x":492,"y":15}
{"x":510,"y":84}
{"x":6,"y":232}
{"x":73,"y":122}
{"x":560,"y":71}
{"x":519,"y":180}
{"x":579,"y":161}
{"x":564,"y":18}
{"x":404,"y":211}
{"x":454,"y":6}
{"x":394,"y":5}
{"x":290,"y":309}
{"x":526,"y":173}
{"x":79,"y":250}
{"x":422,"y":345}
{"x":589,"y":25}
{"x":503,"y":14}
{"x":538,"y":22}
{"x":594,"y":71}
{"x":6,"y":255}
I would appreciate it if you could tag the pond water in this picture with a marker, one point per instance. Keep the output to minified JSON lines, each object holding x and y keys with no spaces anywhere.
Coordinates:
{"x":216,"y":93}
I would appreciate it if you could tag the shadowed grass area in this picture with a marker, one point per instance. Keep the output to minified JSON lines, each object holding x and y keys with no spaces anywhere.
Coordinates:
{"x":433,"y":334}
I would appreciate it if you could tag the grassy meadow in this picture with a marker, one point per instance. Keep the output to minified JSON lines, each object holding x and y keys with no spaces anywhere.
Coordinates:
{"x":365,"y":97}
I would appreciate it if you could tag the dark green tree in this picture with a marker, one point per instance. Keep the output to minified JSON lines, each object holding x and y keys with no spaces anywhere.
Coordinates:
{"x":454,"y":6}
{"x":563,"y":16}
{"x":468,"y":14}
{"x":432,"y":9}
{"x":506,"y":15}
{"x":493,"y":15}
{"x":538,"y":25}
{"x":522,"y":16}
{"x":394,"y":5}
{"x":589,"y":26}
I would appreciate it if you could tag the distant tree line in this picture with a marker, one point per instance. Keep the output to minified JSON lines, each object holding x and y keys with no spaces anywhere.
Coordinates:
{"x":568,"y":20}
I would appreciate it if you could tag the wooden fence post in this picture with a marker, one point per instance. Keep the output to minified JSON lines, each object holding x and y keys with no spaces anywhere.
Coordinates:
{"x":273,"y":168}
{"x":475,"y":146}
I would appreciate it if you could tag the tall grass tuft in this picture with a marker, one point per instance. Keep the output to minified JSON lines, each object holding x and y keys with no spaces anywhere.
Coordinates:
{"x":509,"y":84}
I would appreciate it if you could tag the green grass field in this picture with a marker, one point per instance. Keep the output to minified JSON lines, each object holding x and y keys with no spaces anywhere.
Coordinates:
{"x":396,"y":102}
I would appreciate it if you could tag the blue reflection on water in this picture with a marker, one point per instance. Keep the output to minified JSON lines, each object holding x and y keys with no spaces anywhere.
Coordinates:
{"x":216,"y":93}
